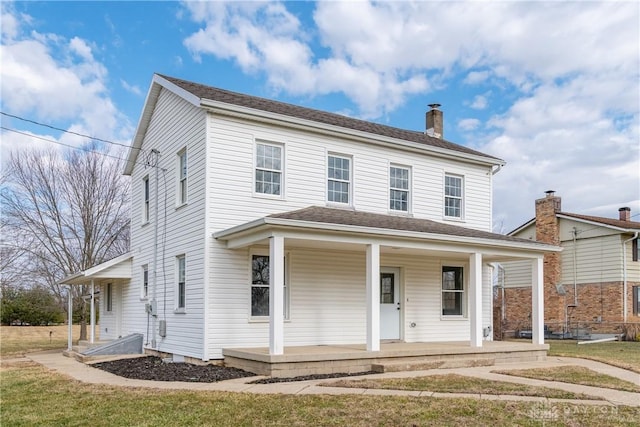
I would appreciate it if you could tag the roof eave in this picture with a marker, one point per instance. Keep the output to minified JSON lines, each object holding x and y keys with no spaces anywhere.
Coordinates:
{"x":383,"y":232}
{"x":269,"y":117}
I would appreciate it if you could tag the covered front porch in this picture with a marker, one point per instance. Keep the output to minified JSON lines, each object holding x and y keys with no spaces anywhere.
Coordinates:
{"x":423,"y":252}
{"x":392,"y":356}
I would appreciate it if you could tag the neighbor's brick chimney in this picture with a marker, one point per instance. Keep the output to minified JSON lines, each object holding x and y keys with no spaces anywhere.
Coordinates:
{"x":625,"y":214}
{"x":548,"y":231}
{"x":434,"y":121}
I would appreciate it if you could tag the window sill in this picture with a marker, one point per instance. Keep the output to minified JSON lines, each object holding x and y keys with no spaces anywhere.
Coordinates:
{"x":337,"y":205}
{"x":400,"y":213}
{"x":453,"y":317}
{"x":264,"y":320}
{"x":453,"y":219}
{"x":179,"y":311}
{"x":145,"y":223}
{"x":181,"y":205}
{"x":144,"y":298}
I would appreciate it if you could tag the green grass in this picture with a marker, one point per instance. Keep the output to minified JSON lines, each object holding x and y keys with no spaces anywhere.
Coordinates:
{"x":33,"y":396}
{"x":574,"y":375}
{"x":624,"y":354}
{"x":452,"y":383}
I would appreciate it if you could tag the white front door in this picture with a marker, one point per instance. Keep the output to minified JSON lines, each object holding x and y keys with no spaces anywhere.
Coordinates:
{"x":390,"y":303}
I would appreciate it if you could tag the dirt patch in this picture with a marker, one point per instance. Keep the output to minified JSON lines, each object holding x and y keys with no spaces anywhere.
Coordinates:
{"x":309,"y":377}
{"x":154,"y":369}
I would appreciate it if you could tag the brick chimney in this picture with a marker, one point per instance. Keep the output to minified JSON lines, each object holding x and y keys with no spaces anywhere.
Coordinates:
{"x":434,"y":121}
{"x":548,"y":231}
{"x":625,"y":214}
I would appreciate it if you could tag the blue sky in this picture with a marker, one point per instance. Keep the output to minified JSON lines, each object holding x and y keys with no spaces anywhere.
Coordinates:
{"x":551,"y":87}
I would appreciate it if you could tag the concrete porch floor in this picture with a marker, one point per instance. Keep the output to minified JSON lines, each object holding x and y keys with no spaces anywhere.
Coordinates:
{"x":393,"y":356}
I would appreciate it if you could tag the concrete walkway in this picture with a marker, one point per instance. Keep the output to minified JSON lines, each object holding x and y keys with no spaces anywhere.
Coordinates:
{"x":85,"y":373}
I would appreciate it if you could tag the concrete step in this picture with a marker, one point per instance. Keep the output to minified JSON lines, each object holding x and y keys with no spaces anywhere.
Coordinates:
{"x":423,"y":365}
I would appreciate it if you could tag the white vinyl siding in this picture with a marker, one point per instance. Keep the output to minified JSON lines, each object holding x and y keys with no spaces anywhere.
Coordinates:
{"x":175,"y":124}
{"x":399,"y":188}
{"x":268,"y":178}
{"x":597,"y":260}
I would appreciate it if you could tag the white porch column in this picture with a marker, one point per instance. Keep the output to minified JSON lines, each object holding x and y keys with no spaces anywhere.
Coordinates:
{"x":475,"y":298}
{"x":276,"y":295}
{"x":373,"y":297}
{"x":537,"y":301}
{"x":92,"y":335}
{"x":70,"y":320}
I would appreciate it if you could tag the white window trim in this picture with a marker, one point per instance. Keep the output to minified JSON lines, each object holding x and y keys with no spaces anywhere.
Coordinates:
{"x":182,"y":197}
{"x":350,"y":203}
{"x":287,"y":286}
{"x":146,"y":200}
{"x":409,"y":189}
{"x":462,"y":196}
{"x":282,"y":147}
{"x":465,"y":292}
{"x":179,"y":309}
{"x":143,"y":295}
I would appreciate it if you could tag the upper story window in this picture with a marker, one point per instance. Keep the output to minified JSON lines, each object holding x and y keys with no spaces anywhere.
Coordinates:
{"x":182,"y":176}
{"x":399,"y":188}
{"x":145,"y":196}
{"x":453,"y":192}
{"x":181,"y":291}
{"x":635,"y":249}
{"x":452,"y":291}
{"x":268,"y":169}
{"x":339,"y":179}
{"x":145,"y":281}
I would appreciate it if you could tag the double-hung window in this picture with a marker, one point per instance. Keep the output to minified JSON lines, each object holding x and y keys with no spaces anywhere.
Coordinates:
{"x":145,"y":281}
{"x":339,"y":179}
{"x":399,"y":189}
{"x":453,"y":193}
{"x":452,"y":291}
{"x":181,"y":291}
{"x":635,"y":248}
{"x":146,"y":196}
{"x":268,"y":169}
{"x":109,"y":298}
{"x":636,"y":300}
{"x":182,"y":177}
{"x":260,"y":287}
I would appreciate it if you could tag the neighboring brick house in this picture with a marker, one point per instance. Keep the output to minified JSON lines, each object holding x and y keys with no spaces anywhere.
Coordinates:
{"x":584,"y":285}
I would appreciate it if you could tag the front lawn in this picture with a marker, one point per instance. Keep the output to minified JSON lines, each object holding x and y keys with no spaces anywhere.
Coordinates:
{"x":624,"y":354}
{"x":33,"y":396}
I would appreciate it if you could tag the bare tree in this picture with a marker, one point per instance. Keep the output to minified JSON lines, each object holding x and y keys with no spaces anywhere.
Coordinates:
{"x":64,"y":213}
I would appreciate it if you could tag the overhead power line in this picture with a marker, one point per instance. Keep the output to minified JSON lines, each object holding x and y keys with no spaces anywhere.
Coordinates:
{"x":65,"y":131}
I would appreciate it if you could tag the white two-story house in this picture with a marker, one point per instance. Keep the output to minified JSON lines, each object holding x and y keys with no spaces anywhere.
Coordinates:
{"x":260,"y":224}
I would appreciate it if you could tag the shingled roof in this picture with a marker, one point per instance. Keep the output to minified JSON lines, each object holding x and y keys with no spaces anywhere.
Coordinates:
{"x":319,"y":214}
{"x":221,"y":95}
{"x":629,"y":225}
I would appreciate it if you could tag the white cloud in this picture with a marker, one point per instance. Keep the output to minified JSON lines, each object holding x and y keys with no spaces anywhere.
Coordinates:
{"x":48,"y":78}
{"x":130,"y":88}
{"x":468,"y":124}
{"x":479,"y":102}
{"x":475,"y":77}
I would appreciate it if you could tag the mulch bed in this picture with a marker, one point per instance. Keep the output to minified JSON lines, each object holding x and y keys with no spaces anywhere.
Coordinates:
{"x":154,"y":369}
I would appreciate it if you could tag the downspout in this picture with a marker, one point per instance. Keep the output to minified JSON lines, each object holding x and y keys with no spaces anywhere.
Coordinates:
{"x":155,"y":252}
{"x":624,"y":276}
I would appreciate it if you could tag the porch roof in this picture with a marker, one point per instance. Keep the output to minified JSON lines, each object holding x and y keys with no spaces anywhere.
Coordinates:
{"x":116,"y":268}
{"x":344,"y":221}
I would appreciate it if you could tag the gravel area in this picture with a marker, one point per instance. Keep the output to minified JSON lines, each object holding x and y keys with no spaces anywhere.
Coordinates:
{"x":154,"y":369}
